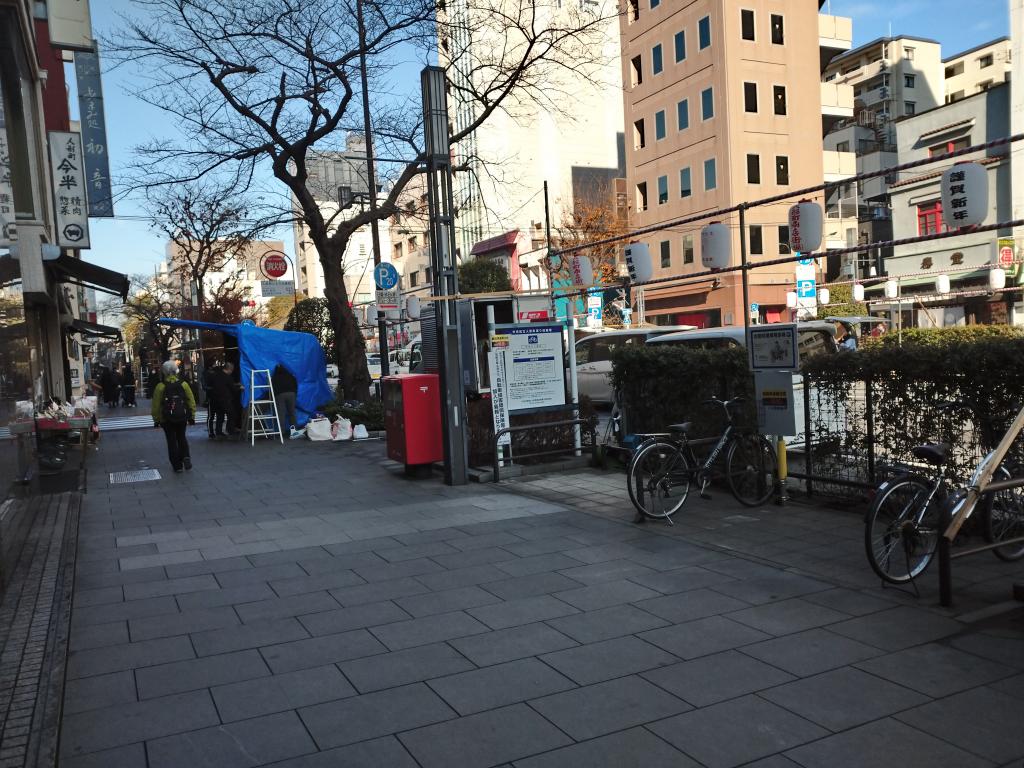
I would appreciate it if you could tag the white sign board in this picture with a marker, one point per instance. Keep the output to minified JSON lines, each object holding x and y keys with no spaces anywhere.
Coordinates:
{"x":70,"y":24}
{"x":67,"y":170}
{"x":389,"y":299}
{"x":269,"y":288}
{"x":776,"y":404}
{"x":499,"y":394}
{"x":535,"y":366}
{"x":773,"y":347}
{"x":806,"y":284}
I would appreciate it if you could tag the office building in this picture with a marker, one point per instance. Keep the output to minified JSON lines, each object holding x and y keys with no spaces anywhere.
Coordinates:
{"x":977,"y":69}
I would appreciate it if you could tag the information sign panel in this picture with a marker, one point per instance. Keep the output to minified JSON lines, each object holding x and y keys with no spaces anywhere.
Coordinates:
{"x":535,"y":366}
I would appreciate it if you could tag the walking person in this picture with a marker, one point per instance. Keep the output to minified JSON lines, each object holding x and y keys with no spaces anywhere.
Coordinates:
{"x":222,"y":395}
{"x":209,"y":375}
{"x":127,"y":386}
{"x":174,"y":408}
{"x":285,"y":389}
{"x":110,"y":384}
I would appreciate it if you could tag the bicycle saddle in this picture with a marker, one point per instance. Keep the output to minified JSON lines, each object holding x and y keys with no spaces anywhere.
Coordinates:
{"x":933,"y":453}
{"x":684,"y":428}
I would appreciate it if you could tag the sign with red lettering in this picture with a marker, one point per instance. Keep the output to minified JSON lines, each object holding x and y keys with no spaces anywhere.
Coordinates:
{"x":273,"y":265}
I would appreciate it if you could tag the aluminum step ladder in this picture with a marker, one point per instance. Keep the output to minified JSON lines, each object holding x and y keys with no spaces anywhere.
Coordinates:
{"x":263,"y":421}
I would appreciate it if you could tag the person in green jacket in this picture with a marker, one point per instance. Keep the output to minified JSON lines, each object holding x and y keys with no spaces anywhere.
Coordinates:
{"x":174,"y":408}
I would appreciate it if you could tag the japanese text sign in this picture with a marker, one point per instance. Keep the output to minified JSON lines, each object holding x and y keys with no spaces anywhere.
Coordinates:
{"x":69,"y":193}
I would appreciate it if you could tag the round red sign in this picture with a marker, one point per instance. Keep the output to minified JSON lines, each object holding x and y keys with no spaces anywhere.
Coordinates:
{"x":274,"y":265}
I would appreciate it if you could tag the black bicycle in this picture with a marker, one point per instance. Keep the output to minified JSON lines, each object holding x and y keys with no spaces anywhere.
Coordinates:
{"x":664,"y":467}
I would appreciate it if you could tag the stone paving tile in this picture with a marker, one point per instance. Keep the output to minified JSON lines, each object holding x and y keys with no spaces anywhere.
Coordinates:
{"x":1012,"y":686}
{"x":236,"y":745}
{"x":735,"y":742}
{"x":513,"y":643}
{"x":427,"y":629}
{"x":486,"y":540}
{"x":184,"y":623}
{"x":128,"y":723}
{"x":983,"y":721}
{"x":355,"y":617}
{"x":247,"y":636}
{"x":811,"y":652}
{"x":378,"y":591}
{"x":604,"y":624}
{"x":1003,"y":650}
{"x":114,"y":658}
{"x":371,"y":715}
{"x":283,"y":607}
{"x":936,"y":670}
{"x":130,"y":756}
{"x":849,"y":601}
{"x":263,"y":574}
{"x":321,"y":581}
{"x":499,"y":685}
{"x":166,"y":558}
{"x":541,"y":563}
{"x":484,"y":739}
{"x":469,"y":558}
{"x":99,"y":691}
{"x":116,"y":578}
{"x":884,"y":743}
{"x":605,"y":594}
{"x":279,"y":693}
{"x":335,"y":563}
{"x":445,"y":601}
{"x":531,"y":585}
{"x":392,"y":571}
{"x":597,"y":662}
{"x":779,"y":586}
{"x":386,"y":752}
{"x":522,"y":611}
{"x":314,"y":652}
{"x":695,"y":604}
{"x":703,"y":636}
{"x":787,"y":616}
{"x":193,"y":674}
{"x":462,"y":577}
{"x":105,"y":614}
{"x":99,"y":635}
{"x":898,"y":628}
{"x":634,"y":748}
{"x":170,"y":587}
{"x":681,"y":579}
{"x":388,"y":670}
{"x":711,"y":679}
{"x":595,"y":710}
{"x":420,"y":549}
{"x":102,"y":596}
{"x":844,"y":698}
{"x":608,"y":571}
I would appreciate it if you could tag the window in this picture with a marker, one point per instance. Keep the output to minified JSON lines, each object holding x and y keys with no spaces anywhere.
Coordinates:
{"x":414,"y":279}
{"x":781,"y":169}
{"x":655,"y":4}
{"x":685,"y":188}
{"x":784,"y":240}
{"x":909,"y":107}
{"x":955,"y":96}
{"x":639,"y":134}
{"x":842,"y":146}
{"x":756,"y":240}
{"x":750,"y":97}
{"x":662,"y":190}
{"x":683,"y":114}
{"x":680,"y":45}
{"x":641,"y":196}
{"x":656,"y":62}
{"x":908,"y":53}
{"x":984,"y":85}
{"x":426,"y":275}
{"x":778,"y":30}
{"x":747,"y":24}
{"x":687,"y":249}
{"x":985,"y":61}
{"x":955,"y":69}
{"x":753,"y":169}
{"x":398,"y":250}
{"x":710,"y":175}
{"x":707,"y":103}
{"x":636,"y":70}
{"x":659,"y":125}
{"x":634,"y":11}
{"x":666,"y":254}
{"x":779,"y":99}
{"x":908,"y":81}
{"x":929,"y":218}
{"x":704,"y":33}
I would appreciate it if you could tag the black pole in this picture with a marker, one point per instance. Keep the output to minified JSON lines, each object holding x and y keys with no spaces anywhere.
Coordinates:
{"x":745,"y":272}
{"x":382,"y":328}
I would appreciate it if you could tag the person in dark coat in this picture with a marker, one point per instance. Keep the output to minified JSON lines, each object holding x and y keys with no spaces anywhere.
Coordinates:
{"x":222,"y":398}
{"x":128,"y":385}
{"x":110,"y":383}
{"x":285,"y":392}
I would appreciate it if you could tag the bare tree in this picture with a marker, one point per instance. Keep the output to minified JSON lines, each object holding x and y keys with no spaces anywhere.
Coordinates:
{"x":261,"y":86}
{"x":149,"y":300}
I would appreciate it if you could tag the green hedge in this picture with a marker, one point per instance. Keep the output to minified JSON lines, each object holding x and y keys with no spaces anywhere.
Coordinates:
{"x":661,"y":385}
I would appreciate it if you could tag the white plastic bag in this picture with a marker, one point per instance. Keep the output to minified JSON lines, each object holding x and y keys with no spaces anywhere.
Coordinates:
{"x":359,"y":432}
{"x":318,"y":429}
{"x":341,"y":429}
{"x":23,"y":409}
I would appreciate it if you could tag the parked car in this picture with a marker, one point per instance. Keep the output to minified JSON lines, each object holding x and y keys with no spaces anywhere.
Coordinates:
{"x":594,"y":357}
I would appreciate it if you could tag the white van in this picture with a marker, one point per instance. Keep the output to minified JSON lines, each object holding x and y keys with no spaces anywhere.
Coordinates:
{"x":594,"y":357}
{"x":813,"y":338}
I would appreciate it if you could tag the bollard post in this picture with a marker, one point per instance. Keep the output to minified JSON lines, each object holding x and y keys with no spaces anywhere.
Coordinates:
{"x":783,"y":470}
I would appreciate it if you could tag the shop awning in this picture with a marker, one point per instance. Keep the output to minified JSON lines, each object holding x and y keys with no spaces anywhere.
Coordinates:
{"x":94,"y":329}
{"x":70,"y":270}
{"x":506,"y":240}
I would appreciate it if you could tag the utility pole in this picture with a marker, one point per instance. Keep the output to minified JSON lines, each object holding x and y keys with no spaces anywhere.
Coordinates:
{"x":382,"y":326}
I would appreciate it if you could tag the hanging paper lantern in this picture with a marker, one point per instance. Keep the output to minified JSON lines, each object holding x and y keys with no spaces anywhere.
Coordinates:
{"x":997,"y":279}
{"x":791,"y":299}
{"x":582,"y":271}
{"x":412,"y":307}
{"x":824,"y":295}
{"x":858,"y":292}
{"x":371,"y":314}
{"x":892,"y":289}
{"x":806,"y":222}
{"x":942,"y":284}
{"x":638,"y":262}
{"x":715,"y":246}
{"x":964,"y":195}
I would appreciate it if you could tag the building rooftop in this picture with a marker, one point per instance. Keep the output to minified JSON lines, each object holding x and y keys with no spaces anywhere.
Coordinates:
{"x":878,"y":41}
{"x":939,"y":172}
{"x":1002,"y":39}
{"x":992,"y":88}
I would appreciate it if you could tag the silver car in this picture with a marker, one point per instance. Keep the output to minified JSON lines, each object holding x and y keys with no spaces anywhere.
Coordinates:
{"x":594,"y":358}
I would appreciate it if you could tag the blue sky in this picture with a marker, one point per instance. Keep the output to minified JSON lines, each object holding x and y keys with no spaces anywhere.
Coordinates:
{"x":128,"y":245}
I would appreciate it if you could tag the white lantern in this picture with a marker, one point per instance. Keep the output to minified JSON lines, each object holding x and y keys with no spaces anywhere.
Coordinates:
{"x":393,"y":314}
{"x":715,"y":246}
{"x":582,"y":271}
{"x":791,"y":299}
{"x":638,"y":262}
{"x":824,"y":295}
{"x":997,"y":279}
{"x":371,"y":314}
{"x":942,"y":284}
{"x":412,"y":307}
{"x":964,"y":195}
{"x":892,"y":289}
{"x":806,"y":222}
{"x":858,"y":292}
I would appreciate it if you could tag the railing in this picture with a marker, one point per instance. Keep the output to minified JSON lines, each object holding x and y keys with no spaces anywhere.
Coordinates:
{"x":586,"y":425}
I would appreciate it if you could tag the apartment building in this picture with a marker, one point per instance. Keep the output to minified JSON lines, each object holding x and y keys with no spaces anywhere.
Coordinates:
{"x":238,"y":275}
{"x":722,"y":106}
{"x":977,"y":69}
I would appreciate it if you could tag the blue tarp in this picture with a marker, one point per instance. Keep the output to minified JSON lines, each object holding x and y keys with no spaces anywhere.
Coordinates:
{"x":265,"y":349}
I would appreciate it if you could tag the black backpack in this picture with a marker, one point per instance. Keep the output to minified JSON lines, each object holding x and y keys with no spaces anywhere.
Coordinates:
{"x":174,"y":406}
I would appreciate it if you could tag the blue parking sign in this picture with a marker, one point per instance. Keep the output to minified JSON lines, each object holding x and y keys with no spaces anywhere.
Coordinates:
{"x":385,"y":276}
{"x":805,"y":289}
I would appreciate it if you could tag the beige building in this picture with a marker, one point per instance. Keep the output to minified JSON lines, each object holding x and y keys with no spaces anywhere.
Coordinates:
{"x":977,"y":69}
{"x":723,"y":106}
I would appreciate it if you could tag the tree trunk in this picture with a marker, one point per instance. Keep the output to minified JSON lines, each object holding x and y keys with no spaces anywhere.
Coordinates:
{"x":349,"y":347}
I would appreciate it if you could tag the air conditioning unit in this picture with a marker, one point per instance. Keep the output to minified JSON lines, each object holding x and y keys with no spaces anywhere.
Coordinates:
{"x":883,"y":92}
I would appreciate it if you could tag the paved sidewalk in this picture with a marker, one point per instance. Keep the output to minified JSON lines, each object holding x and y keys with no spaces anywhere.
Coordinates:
{"x":306,"y":605}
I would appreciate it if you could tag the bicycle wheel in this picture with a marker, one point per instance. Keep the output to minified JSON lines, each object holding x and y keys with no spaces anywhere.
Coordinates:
{"x":751,"y":469}
{"x":1003,"y":519}
{"x":659,"y":479}
{"x":898,"y":546}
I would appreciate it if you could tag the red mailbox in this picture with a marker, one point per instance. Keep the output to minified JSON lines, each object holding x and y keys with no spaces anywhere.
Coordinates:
{"x":412,"y":418}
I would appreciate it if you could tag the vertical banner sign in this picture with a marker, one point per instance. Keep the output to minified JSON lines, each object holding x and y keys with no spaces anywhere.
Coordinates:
{"x":70,"y":24}
{"x":94,"y":134}
{"x":499,"y":393}
{"x":69,"y":195}
{"x":8,"y":231}
{"x":806,"y":285}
